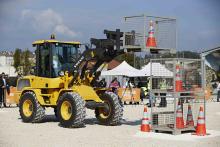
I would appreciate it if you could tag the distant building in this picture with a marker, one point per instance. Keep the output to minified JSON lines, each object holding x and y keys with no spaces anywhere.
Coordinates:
{"x":6,"y":63}
{"x":6,"y":60}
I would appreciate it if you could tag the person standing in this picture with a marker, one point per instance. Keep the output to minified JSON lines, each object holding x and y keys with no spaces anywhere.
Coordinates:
{"x":218,"y":91}
{"x":115,"y":84}
{"x":140,"y":83}
{"x":3,"y":86}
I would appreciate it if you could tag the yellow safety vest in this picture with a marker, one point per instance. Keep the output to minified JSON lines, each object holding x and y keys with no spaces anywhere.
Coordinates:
{"x":163,"y":85}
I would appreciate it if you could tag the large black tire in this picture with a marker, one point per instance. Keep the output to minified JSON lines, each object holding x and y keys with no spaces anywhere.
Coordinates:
{"x":55,"y":111}
{"x":36,"y":111}
{"x":114,"y":114}
{"x":76,"y":110}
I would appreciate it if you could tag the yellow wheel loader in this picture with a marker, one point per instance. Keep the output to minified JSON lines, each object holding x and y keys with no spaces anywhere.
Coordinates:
{"x":66,"y":78}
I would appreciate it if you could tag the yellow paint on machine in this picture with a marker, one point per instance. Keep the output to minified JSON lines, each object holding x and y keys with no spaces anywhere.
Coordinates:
{"x":54,"y":41}
{"x":86,"y":92}
{"x":48,"y":90}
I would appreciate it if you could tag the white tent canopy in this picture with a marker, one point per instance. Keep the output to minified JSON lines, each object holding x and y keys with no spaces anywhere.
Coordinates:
{"x":124,"y":69}
{"x":158,"y":70}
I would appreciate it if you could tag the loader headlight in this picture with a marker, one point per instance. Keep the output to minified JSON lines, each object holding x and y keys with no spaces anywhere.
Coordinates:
{"x":61,"y":73}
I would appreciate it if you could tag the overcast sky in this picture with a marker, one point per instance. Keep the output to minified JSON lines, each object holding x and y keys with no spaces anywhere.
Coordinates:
{"x":23,"y":21}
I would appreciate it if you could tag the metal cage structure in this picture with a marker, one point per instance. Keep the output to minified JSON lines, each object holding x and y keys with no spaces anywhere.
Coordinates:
{"x":136,"y":29}
{"x":184,"y":85}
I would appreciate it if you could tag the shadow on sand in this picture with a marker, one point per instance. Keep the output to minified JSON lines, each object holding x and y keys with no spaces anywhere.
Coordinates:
{"x":131,"y":123}
{"x":88,"y":121}
{"x":47,"y":118}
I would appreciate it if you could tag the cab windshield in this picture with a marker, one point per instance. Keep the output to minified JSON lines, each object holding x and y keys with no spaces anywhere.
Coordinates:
{"x":54,"y":57}
{"x":63,"y":57}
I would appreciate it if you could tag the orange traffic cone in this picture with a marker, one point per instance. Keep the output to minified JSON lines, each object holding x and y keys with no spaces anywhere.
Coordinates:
{"x":151,"y":41}
{"x":145,"y":127}
{"x":178,"y":82}
{"x":200,"y":128}
{"x":179,"y":117}
{"x":189,"y":120}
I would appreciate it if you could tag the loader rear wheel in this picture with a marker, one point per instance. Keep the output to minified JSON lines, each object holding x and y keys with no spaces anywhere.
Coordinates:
{"x":30,"y":109}
{"x":71,"y":110}
{"x":112,"y":114}
{"x":55,"y":111}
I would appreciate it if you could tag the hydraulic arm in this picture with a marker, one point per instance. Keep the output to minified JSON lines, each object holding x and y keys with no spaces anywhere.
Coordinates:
{"x":105,"y":50}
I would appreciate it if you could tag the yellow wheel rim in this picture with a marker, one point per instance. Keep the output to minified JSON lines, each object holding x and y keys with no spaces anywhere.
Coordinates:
{"x":66,"y":110}
{"x":103,"y":113}
{"x":27,"y":108}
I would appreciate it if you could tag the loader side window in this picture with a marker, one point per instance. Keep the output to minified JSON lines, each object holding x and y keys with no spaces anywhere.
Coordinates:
{"x":44,"y":60}
{"x":23,"y":83}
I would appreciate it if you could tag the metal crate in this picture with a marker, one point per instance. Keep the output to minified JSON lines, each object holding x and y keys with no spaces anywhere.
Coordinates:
{"x":187,"y":74}
{"x":136,"y":30}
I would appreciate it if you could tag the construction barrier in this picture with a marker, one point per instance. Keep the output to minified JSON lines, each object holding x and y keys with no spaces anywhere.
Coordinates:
{"x":178,"y":82}
{"x":201,"y":127}
{"x":189,"y":121}
{"x":12,"y":98}
{"x":151,"y":41}
{"x":179,"y":117}
{"x":145,"y":125}
{"x":129,"y":94}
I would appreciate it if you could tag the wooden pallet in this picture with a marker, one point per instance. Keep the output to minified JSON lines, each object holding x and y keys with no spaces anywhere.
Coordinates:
{"x":170,"y":129}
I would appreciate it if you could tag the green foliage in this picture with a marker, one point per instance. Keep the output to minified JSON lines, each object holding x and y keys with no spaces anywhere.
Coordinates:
{"x":17,"y":59}
{"x":22,"y":61}
{"x":26,"y":62}
{"x":182,"y":54}
{"x":139,"y":61}
{"x":129,"y":58}
{"x":188,"y":54}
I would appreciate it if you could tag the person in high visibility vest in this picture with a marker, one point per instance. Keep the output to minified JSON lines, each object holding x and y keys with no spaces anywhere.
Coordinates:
{"x":163,"y":86}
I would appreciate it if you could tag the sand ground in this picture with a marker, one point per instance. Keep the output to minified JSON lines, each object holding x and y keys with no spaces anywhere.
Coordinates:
{"x":15,"y":133}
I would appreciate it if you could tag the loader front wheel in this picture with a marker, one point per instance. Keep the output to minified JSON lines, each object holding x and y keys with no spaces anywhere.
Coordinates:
{"x":112,"y":113}
{"x":71,"y":110}
{"x":30,"y":109}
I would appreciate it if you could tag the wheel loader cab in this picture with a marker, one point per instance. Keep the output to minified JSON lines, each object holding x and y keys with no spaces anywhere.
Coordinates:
{"x":54,"y":56}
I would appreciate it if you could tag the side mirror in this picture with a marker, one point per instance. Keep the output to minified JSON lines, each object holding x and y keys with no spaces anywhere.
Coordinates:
{"x":61,"y":73}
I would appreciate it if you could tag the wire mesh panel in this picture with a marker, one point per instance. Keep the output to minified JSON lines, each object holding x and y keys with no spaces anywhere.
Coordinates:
{"x":177,"y":92}
{"x":136,"y":30}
